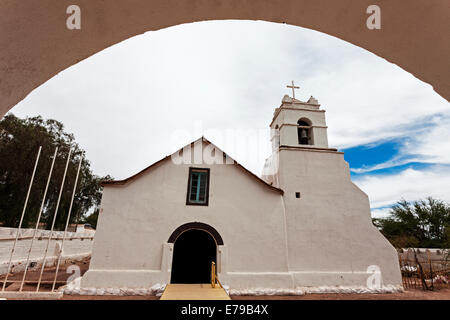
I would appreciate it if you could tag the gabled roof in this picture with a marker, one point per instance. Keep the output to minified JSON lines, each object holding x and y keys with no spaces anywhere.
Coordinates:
{"x":203,"y":139}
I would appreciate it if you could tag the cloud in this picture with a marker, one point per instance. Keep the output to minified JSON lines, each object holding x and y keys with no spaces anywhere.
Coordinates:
{"x":432,"y":145}
{"x":124,"y":103}
{"x":425,"y":143}
{"x":381,"y":212}
{"x":409,"y":184}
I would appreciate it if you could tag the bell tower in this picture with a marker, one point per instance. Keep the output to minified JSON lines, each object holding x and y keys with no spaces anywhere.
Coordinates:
{"x":329,"y":230}
{"x":296,"y":126}
{"x":299,"y":124}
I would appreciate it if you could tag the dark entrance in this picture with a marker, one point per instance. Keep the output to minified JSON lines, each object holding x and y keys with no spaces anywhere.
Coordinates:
{"x":193,"y":252}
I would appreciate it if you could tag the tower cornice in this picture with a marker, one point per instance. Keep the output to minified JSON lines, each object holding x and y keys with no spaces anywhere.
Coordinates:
{"x":289,"y":107}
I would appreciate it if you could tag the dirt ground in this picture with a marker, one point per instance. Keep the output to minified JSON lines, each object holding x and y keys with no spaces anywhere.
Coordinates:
{"x":443,"y":294}
{"x":49,"y":273}
{"x":14,"y":279}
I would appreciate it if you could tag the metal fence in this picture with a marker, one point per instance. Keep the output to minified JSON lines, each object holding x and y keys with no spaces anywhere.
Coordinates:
{"x":422,"y":270}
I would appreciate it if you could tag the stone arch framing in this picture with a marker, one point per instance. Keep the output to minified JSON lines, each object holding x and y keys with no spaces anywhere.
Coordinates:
{"x":196,"y":226}
{"x":306,"y":120}
{"x":36,"y":44}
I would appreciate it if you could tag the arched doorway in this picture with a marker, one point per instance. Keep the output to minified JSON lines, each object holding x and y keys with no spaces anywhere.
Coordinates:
{"x":193,"y":252}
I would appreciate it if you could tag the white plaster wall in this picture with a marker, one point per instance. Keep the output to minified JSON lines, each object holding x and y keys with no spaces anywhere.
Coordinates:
{"x":138,"y":218}
{"x":331,"y":238}
{"x":291,"y":115}
{"x":320,"y":137}
{"x":8,"y":233}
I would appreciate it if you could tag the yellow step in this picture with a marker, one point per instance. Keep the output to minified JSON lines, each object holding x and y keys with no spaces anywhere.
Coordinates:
{"x":198,"y":291}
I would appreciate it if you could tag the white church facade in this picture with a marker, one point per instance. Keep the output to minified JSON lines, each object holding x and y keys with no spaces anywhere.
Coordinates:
{"x":304,"y":223}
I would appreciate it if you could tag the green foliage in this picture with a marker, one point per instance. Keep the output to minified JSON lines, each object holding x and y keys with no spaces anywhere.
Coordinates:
{"x":19,"y":143}
{"x":92,"y":218}
{"x":423,"y":224}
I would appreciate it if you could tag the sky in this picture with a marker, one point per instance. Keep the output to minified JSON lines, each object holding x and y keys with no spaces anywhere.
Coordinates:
{"x":142,"y":99}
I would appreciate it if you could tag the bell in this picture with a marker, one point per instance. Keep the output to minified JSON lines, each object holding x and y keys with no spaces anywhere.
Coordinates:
{"x":304,"y":139}
{"x":304,"y":134}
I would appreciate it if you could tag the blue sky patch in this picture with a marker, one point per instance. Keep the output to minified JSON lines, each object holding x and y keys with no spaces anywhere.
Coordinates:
{"x":371,"y":154}
{"x":395,"y":169}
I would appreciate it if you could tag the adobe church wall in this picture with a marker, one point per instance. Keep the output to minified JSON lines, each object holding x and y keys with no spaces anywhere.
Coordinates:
{"x":329,"y":227}
{"x":248,"y":215}
{"x":325,"y":237}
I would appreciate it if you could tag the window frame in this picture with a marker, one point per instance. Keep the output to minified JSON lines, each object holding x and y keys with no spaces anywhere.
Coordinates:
{"x":189,"y":202}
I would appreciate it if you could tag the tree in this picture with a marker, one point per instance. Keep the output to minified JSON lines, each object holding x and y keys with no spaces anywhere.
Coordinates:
{"x":19,"y":143}
{"x":423,"y":223}
{"x":92,"y":218}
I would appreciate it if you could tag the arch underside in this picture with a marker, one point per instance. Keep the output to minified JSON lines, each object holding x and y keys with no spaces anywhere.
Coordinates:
{"x":196,"y":226}
{"x":36,"y":45}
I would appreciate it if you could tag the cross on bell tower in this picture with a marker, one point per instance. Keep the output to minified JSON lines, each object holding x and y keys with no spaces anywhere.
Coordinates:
{"x":293,"y":87}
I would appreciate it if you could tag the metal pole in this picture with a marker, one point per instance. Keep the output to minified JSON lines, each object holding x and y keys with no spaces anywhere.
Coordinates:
{"x":39,"y":217}
{"x":21,"y":218}
{"x":51,"y":232}
{"x":67,"y":224}
{"x":213,"y":274}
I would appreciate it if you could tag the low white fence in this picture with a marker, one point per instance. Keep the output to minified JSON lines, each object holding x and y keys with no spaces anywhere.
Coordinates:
{"x":77,"y":245}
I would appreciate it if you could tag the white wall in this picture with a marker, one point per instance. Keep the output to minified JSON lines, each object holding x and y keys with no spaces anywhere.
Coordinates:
{"x":331,"y":237}
{"x":138,"y":218}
